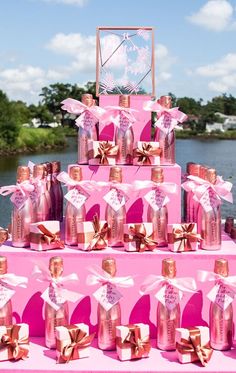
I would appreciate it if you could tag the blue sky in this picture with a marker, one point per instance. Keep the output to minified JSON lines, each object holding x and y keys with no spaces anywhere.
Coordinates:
{"x":48,"y":41}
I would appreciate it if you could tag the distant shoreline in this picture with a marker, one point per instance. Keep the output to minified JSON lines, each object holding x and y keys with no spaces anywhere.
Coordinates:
{"x":228,"y":135}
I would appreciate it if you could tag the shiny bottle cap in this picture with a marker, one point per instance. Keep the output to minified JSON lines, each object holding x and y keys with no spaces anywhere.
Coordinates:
{"x":221,"y":267}
{"x":109,"y":266}
{"x":229,"y":223}
{"x":115,"y":174}
{"x":168,"y":268}
{"x":56,"y":167}
{"x":3,"y":265}
{"x":48,"y":166}
{"x":233,"y":233}
{"x":203,"y":172}
{"x":188,"y":166}
{"x":4,"y":235}
{"x":75,"y":173}
{"x":23,"y":173}
{"x":211,"y":175}
{"x":39,"y":171}
{"x":165,"y":101}
{"x":87,"y":99}
{"x":124,"y":101}
{"x":56,"y":266}
{"x":194,"y":169}
{"x":157,"y":175}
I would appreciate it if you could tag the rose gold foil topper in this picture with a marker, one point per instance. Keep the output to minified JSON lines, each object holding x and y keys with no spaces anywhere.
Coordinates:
{"x":211,"y":175}
{"x":168,"y":268}
{"x":194,"y":169}
{"x":203,"y":172}
{"x":4,"y":235}
{"x":109,"y":266}
{"x":221,"y":267}
{"x":87,"y":99}
{"x":56,"y":167}
{"x":23,"y":173}
{"x":165,"y":101}
{"x":48,"y":168}
{"x":56,"y":266}
{"x":39,"y":170}
{"x":115,"y":174}
{"x":3,"y":265}
{"x":157,"y":175}
{"x":124,"y":101}
{"x":75,"y":173}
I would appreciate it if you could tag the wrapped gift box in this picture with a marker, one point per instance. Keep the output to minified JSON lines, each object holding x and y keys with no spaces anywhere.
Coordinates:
{"x":45,"y":235}
{"x":147,"y":153}
{"x":138,"y":237}
{"x":183,"y":237}
{"x":102,"y":152}
{"x":72,"y":342}
{"x":92,"y":235}
{"x":8,"y":347}
{"x":192,"y":344}
{"x":132,"y":341}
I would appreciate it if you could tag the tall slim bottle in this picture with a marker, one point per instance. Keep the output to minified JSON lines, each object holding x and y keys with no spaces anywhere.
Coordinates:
{"x":6,"y":310}
{"x":24,"y":216}
{"x":192,"y":205}
{"x":202,"y":175}
{"x":57,"y":191}
{"x":89,"y":131}
{"x":166,"y":140}
{"x":73,"y":216}
{"x":211,"y":220}
{"x":158,"y":218}
{"x":168,"y":319}
{"x":55,"y":318}
{"x":40,"y":204}
{"x":124,"y":136}
{"x":48,"y":191}
{"x":115,"y":219}
{"x":220,"y":320}
{"x":108,"y":320}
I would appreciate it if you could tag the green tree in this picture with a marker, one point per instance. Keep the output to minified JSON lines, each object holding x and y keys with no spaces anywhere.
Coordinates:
{"x":9,"y":120}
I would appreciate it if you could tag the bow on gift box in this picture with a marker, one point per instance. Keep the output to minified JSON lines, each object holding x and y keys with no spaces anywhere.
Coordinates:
{"x":139,"y":346}
{"x":185,"y":236}
{"x":105,"y":150}
{"x":193,"y":346}
{"x":138,"y":234}
{"x":13,"y":343}
{"x":78,"y":340}
{"x":46,"y":237}
{"x":146,"y":152}
{"x":113,"y":115}
{"x":100,"y":233}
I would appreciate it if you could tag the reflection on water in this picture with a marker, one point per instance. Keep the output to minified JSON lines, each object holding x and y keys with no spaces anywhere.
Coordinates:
{"x":218,"y":154}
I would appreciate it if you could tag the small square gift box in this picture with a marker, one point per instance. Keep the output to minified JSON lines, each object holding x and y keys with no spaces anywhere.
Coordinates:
{"x":102,"y":152}
{"x":14,"y":342}
{"x":193,"y":344}
{"x":92,"y":235}
{"x":132,"y":341}
{"x":45,"y":235}
{"x":147,"y":153}
{"x":183,"y":237}
{"x":72,"y":342}
{"x":138,"y":237}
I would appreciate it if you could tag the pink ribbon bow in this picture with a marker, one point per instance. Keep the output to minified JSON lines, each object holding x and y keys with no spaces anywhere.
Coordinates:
{"x":65,"y":178}
{"x":101,"y":277}
{"x":12,"y":280}
{"x":114,"y":114}
{"x":164,"y":187}
{"x":123,"y":187}
{"x":229,"y":281}
{"x":25,"y":188}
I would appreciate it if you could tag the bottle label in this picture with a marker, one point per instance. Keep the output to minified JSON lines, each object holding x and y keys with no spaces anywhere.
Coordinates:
{"x":156,"y":199}
{"x":18,"y":199}
{"x":54,"y":297}
{"x":89,"y":121}
{"x":169,"y":296}
{"x":115,"y":198}
{"x":222,"y":295}
{"x":5,"y":294}
{"x":107,"y":295}
{"x":77,"y":197}
{"x":124,"y":123}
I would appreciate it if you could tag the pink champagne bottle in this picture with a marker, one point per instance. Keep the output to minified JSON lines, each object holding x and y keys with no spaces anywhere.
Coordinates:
{"x":211,"y":220}
{"x":57,"y":191}
{"x":167,"y":319}
{"x":158,"y":218}
{"x":48,"y":191}
{"x":192,"y":205}
{"x":115,"y":219}
{"x":6,"y":310}
{"x":220,"y":320}
{"x":73,"y":216}
{"x":24,"y":216}
{"x":55,"y":318}
{"x":88,"y":132}
{"x":40,"y":204}
{"x":166,"y":140}
{"x":108,"y":320}
{"x":124,"y":136}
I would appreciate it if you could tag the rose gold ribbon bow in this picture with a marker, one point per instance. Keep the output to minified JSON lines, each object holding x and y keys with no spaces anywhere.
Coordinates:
{"x":100,"y":233}
{"x":79,"y":340}
{"x":139,"y":346}
{"x":105,"y":150}
{"x":193,"y":346}
{"x":146,"y":152}
{"x":184,"y":236}
{"x":138,"y":234}
{"x":12,"y":341}
{"x":49,"y":237}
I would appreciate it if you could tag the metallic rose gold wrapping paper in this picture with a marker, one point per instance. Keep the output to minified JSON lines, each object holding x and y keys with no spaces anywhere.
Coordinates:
{"x":6,"y":310}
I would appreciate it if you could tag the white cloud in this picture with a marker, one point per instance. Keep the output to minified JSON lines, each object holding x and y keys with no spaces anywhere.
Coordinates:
{"x":163,"y":62}
{"x":119,"y":58}
{"x":215,"y":15}
{"x":79,"y":3}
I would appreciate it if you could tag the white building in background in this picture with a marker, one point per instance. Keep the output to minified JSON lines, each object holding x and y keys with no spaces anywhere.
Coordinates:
{"x":228,"y":123}
{"x":36,"y":122}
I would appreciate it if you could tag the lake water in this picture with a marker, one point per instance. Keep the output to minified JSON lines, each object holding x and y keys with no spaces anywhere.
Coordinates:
{"x":219,"y":154}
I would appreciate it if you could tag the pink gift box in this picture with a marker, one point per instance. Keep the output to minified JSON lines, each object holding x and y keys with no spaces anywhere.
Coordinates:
{"x":45,"y":235}
{"x":19,"y":332}
{"x":132,"y":341}
{"x":147,"y":153}
{"x":134,"y":242}
{"x":183,"y":338}
{"x":86,"y":235}
{"x":102,"y":152}
{"x":183,"y":237}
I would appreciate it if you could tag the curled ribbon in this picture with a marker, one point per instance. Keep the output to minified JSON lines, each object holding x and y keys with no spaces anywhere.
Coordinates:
{"x":139,"y":346}
{"x":47,"y":237}
{"x":138,"y":234}
{"x":184,"y":236}
{"x":113,"y":115}
{"x":105,"y":150}
{"x":100,"y":233}
{"x":146,"y":152}
{"x":193,"y":346}
{"x":13,"y":343}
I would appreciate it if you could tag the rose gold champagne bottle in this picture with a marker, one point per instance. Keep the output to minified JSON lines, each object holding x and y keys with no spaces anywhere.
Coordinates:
{"x":221,"y":321}
{"x":73,"y":216}
{"x":115,"y":219}
{"x":167,"y":319}
{"x":211,"y":221}
{"x":48,"y":191}
{"x":24,"y":216}
{"x":192,"y":205}
{"x":6,"y":310}
{"x":55,"y":318}
{"x":158,"y":218}
{"x":40,"y":204}
{"x":57,"y":191}
{"x":166,"y":140}
{"x":108,"y":320}
{"x":88,"y":132}
{"x":124,"y":136}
